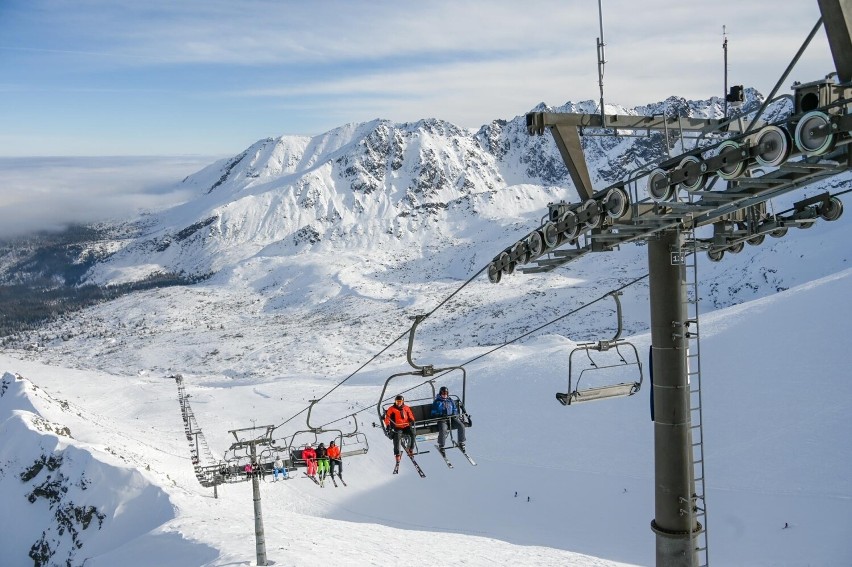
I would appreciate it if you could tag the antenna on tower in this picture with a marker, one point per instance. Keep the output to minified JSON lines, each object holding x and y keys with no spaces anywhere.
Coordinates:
{"x":725,"y":51}
{"x":601,"y":61}
{"x":735,"y":96}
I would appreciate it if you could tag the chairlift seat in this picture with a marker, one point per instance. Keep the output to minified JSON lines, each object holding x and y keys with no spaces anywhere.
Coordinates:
{"x":350,"y":452}
{"x":297,"y":459}
{"x":353,"y":444}
{"x":591,"y":394}
{"x":577,"y":394}
{"x":426,"y":425}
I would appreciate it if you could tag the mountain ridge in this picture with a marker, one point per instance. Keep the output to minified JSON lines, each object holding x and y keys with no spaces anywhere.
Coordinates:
{"x":377,"y":179}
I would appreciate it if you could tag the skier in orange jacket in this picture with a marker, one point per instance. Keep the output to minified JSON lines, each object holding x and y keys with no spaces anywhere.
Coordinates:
{"x":334,"y":458}
{"x":398,"y":421}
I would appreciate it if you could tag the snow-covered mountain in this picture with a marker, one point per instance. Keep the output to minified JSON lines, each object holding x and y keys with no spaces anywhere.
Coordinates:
{"x":312,"y":254}
{"x":375,"y":185}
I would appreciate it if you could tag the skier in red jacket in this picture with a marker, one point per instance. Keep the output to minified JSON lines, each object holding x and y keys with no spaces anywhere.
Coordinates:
{"x":398,"y":421}
{"x":310,"y":456}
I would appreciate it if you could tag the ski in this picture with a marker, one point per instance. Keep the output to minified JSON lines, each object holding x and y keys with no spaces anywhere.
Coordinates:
{"x":396,"y":468}
{"x":416,"y":466}
{"x":444,"y":455}
{"x":333,"y":481}
{"x":340,"y":478}
{"x":466,"y":456}
{"x":313,"y":479}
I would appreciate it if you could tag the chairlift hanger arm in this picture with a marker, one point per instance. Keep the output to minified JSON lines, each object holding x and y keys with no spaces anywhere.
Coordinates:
{"x":354,"y":432}
{"x":242,"y":442}
{"x":615,"y":295}
{"x":424,"y":370}
{"x":308,"y":420}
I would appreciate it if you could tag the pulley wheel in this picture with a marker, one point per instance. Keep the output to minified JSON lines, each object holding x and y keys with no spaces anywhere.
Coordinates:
{"x":493,"y":273}
{"x":734,"y":166}
{"x":595,"y":218}
{"x":535,"y":244}
{"x":616,"y":203}
{"x":715,"y":255}
{"x":521,"y":252}
{"x":657,"y":192}
{"x":757,"y":239}
{"x":550,"y":235}
{"x":831,"y":210}
{"x":810,"y":142}
{"x":779,"y":232}
{"x":777,"y":148}
{"x":695,"y":178}
{"x":736,"y":248}
{"x":572,"y":225}
{"x":508,"y":265}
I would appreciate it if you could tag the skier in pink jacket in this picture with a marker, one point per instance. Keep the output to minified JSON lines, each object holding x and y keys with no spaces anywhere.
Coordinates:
{"x":310,"y":456}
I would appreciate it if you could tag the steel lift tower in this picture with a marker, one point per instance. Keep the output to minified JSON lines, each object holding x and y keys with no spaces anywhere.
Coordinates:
{"x":663,"y":206}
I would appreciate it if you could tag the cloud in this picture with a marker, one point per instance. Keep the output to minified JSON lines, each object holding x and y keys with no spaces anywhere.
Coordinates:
{"x":202,"y":76}
{"x":261,"y":32}
{"x":51,"y":193}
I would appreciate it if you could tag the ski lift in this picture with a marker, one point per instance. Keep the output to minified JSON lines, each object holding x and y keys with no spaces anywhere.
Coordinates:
{"x":425,"y":425}
{"x":267,"y":457}
{"x":354,"y":442}
{"x":233,"y":463}
{"x":244,"y":452}
{"x":294,"y":449}
{"x":308,"y":437}
{"x":579,"y":391}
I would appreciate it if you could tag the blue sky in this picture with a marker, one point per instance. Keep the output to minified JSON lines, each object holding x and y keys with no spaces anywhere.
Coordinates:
{"x":210,"y":77}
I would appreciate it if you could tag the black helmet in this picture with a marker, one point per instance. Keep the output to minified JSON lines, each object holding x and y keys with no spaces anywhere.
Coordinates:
{"x":322,"y":444}
{"x":444,"y":390}
{"x":399,"y":397}
{"x":332,"y":443}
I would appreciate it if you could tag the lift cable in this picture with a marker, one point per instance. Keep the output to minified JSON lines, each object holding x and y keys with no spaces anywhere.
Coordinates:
{"x":507,"y":343}
{"x":838,"y":194}
{"x":378,"y":354}
{"x":784,"y":75}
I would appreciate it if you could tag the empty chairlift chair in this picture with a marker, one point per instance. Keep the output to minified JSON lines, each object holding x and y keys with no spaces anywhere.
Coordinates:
{"x":618,"y":374}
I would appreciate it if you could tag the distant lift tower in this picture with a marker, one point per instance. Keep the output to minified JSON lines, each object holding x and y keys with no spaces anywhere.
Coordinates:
{"x":251,"y":445}
{"x":664,"y":206}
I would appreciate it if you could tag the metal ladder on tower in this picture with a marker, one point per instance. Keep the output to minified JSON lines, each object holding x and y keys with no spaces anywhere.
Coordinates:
{"x":696,"y":508}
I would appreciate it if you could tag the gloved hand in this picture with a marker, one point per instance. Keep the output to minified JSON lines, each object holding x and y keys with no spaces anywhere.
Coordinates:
{"x":390,"y":432}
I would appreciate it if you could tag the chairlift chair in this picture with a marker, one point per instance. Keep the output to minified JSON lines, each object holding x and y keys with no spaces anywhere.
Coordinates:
{"x":354,"y":442}
{"x":577,"y":389}
{"x":425,"y":425}
{"x":294,"y":451}
{"x":310,"y":436}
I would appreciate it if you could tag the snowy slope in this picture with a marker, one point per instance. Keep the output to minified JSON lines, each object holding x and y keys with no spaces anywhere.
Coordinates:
{"x":776,"y":425}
